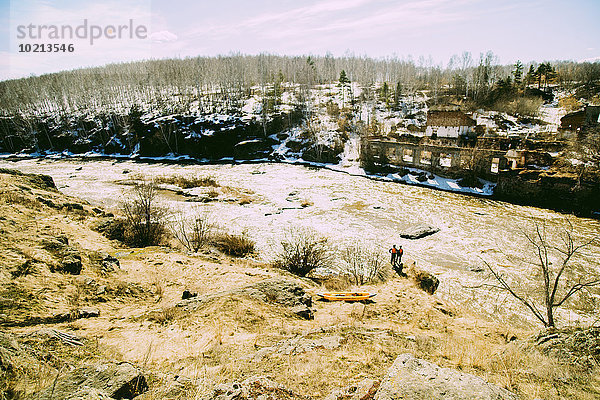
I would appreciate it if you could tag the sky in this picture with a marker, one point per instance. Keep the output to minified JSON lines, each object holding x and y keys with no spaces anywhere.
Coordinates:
{"x":526,"y":30}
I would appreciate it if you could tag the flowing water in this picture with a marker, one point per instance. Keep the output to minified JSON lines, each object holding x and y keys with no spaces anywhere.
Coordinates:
{"x":347,"y":209}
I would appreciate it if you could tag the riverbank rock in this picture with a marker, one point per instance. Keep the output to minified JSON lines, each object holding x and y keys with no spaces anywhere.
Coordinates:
{"x":426,"y":281}
{"x":411,"y":378}
{"x":571,"y":346}
{"x":100,"y":381}
{"x":254,"y":388}
{"x":418,"y":231}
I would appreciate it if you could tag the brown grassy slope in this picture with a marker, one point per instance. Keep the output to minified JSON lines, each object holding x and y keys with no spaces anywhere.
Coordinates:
{"x":233,"y":336}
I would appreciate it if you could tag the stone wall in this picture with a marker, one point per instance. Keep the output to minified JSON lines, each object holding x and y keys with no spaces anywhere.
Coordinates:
{"x":447,"y":160}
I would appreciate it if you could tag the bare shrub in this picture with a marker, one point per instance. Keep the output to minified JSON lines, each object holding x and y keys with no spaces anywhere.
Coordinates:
{"x":187,"y":182}
{"x":522,"y":106}
{"x":145,"y":220}
{"x":194,"y":232}
{"x":363,"y":264}
{"x":236,"y":245}
{"x":164,"y":315}
{"x":301,"y":251}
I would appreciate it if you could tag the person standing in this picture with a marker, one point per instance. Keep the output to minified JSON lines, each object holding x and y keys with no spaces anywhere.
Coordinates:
{"x":394,"y":252}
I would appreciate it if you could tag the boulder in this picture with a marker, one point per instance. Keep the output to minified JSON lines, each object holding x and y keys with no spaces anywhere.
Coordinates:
{"x":424,"y":280}
{"x":99,"y":381}
{"x":418,"y":231}
{"x":88,"y":312}
{"x":363,"y":390}
{"x":411,"y":378}
{"x":54,"y":244}
{"x":278,"y":291}
{"x":188,"y":295}
{"x":110,"y":262}
{"x":303,"y":311}
{"x":579,"y":346}
{"x":70,"y":264}
{"x":254,"y":388}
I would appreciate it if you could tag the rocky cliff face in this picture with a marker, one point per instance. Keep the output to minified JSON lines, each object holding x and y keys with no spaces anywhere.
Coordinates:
{"x":202,"y":136}
{"x":550,"y":189}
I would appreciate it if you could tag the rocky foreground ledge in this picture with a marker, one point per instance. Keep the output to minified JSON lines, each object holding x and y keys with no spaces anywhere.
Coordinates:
{"x":409,"y":378}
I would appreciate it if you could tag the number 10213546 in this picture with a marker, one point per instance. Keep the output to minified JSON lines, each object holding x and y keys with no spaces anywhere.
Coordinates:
{"x":46,"y":48}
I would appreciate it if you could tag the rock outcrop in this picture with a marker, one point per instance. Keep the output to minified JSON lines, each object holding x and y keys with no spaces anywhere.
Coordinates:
{"x":572,"y":346}
{"x":419,"y":231}
{"x":424,"y":280}
{"x":273,"y":291}
{"x":411,"y":378}
{"x":254,"y":388}
{"x":100,"y":381}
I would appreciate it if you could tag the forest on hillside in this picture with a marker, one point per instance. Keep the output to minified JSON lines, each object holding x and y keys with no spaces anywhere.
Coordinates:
{"x":206,"y":106}
{"x":172,"y":85}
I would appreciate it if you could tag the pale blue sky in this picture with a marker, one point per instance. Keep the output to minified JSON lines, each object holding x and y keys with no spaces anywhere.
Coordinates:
{"x":527,"y":30}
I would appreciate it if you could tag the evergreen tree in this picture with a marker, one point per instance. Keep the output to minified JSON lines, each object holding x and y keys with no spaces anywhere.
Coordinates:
{"x":384,"y":94}
{"x":397,"y":94}
{"x":518,"y":73}
{"x":531,"y":75}
{"x":545,"y":73}
{"x":344,"y":83}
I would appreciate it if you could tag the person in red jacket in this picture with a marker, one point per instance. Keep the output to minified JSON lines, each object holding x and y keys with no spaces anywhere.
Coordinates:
{"x":394,"y":252}
{"x":397,"y":259}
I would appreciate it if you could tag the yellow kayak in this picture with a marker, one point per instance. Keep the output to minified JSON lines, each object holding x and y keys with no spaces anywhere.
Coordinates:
{"x":346,"y":296}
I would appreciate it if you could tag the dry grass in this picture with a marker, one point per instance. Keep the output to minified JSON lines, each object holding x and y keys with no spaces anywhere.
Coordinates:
{"x":164,"y":316}
{"x":14,"y":198}
{"x":236,"y":245}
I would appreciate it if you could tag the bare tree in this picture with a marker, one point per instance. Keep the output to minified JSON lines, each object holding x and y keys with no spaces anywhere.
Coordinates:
{"x":560,"y":272}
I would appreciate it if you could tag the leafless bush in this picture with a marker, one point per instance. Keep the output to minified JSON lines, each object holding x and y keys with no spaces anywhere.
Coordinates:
{"x":236,"y":245}
{"x":523,"y":106}
{"x":187,"y":182}
{"x":194,"y":232}
{"x":365,"y":265}
{"x":164,"y":315}
{"x":301,"y":251}
{"x":145,"y":220}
